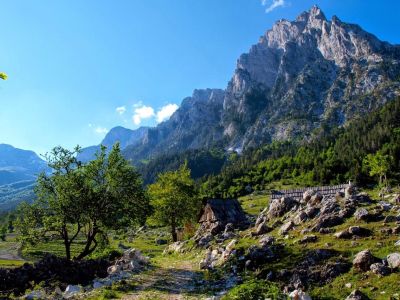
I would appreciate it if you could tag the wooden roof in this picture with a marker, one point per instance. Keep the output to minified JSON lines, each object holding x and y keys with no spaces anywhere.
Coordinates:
{"x":226,"y":211}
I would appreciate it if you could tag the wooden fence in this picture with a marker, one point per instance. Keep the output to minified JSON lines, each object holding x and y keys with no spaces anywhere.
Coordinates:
{"x":326,"y":191}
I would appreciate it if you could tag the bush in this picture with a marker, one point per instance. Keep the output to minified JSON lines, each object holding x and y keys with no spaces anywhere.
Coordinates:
{"x":255,"y":290}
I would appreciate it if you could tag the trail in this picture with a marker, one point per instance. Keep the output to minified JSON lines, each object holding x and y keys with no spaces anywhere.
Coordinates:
{"x":176,"y":283}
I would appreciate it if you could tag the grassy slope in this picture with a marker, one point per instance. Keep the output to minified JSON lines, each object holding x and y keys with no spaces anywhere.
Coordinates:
{"x":375,"y":287}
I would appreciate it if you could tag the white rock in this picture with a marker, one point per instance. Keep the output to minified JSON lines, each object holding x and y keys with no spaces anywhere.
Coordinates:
{"x":393,"y":260}
{"x":299,"y":295}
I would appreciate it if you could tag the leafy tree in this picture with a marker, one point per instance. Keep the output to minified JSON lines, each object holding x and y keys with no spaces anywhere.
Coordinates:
{"x":3,"y":76}
{"x":174,"y":199}
{"x":3,"y":233}
{"x":84,"y":199}
{"x":378,"y":164}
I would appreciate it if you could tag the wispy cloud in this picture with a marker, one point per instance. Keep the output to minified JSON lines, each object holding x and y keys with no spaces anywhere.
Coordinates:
{"x":121,"y":110}
{"x":271,"y":6}
{"x":166,"y":112}
{"x":141,"y":113}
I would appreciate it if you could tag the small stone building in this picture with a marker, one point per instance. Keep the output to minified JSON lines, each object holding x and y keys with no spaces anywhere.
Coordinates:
{"x":217,"y":213}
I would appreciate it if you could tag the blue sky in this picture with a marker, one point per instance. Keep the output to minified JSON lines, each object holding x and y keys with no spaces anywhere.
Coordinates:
{"x":78,"y":68}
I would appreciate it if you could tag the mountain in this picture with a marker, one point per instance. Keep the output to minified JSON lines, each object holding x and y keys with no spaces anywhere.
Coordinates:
{"x":302,"y":75}
{"x":124,"y":136}
{"x":18,"y":171}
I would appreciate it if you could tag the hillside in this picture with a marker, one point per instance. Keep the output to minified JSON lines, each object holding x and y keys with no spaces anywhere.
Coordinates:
{"x":18,"y":171}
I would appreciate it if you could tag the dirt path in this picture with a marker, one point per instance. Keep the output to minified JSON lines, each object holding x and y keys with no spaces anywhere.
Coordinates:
{"x":168,"y":283}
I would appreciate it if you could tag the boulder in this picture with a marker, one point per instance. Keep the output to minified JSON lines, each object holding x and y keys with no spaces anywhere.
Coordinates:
{"x":300,"y":218}
{"x":380,"y":269}
{"x":261,"y":229}
{"x":285,"y":228}
{"x":361,"y":214}
{"x":316,"y":199}
{"x":393,"y":260}
{"x":349,"y":191}
{"x":357,"y":295}
{"x":386,"y":206}
{"x":299,"y":295}
{"x":307,"y":195}
{"x":229,"y":228}
{"x":161,"y":242}
{"x":308,"y":239}
{"x":267,"y":241}
{"x":177,"y":247}
{"x":281,"y":206}
{"x":363,"y":260}
{"x":344,"y":234}
{"x":204,"y":241}
{"x":72,"y":290}
{"x":327,"y":221}
{"x":359,"y":231}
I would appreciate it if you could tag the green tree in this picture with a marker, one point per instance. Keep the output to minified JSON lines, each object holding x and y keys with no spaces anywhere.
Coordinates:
{"x":378,"y":164}
{"x":174,"y":199}
{"x":3,"y":233}
{"x":84,"y":200}
{"x":3,"y":76}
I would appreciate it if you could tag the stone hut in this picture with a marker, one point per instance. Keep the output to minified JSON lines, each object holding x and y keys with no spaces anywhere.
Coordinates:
{"x":217,"y":213}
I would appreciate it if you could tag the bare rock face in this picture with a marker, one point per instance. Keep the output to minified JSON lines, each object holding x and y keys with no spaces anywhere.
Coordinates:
{"x":300,"y":74}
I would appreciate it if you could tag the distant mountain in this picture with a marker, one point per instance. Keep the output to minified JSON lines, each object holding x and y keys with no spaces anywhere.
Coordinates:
{"x":18,"y":172}
{"x":124,"y":136}
{"x":300,"y":76}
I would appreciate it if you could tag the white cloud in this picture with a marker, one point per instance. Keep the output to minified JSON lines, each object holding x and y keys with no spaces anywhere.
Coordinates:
{"x":273,"y":5}
{"x":101,"y":130}
{"x":166,"y":112}
{"x":121,"y":110}
{"x":141,"y":113}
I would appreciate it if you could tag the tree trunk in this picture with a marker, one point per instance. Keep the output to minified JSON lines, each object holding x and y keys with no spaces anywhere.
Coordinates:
{"x":173,"y":230}
{"x":87,"y":250}
{"x":67,"y":250}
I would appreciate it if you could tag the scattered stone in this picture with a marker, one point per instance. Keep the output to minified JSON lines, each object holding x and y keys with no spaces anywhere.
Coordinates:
{"x":393,"y":260}
{"x":348,"y":285}
{"x":349,"y":191}
{"x":307,"y":195}
{"x":261,"y":229}
{"x":357,"y":295}
{"x":386,"y":206}
{"x":361,"y":214}
{"x":72,"y":290}
{"x":359,"y":231}
{"x":380,"y":269}
{"x":205,"y":240}
{"x":308,"y":239}
{"x":344,"y":234}
{"x":281,"y":206}
{"x":300,"y":218}
{"x":299,"y":295}
{"x":363,"y":260}
{"x":161,"y":242}
{"x":326,"y":230}
{"x":177,"y":247}
{"x":286,"y":228}
{"x":267,"y":241}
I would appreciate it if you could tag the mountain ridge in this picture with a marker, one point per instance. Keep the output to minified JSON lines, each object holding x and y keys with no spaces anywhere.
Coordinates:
{"x":301,"y":75}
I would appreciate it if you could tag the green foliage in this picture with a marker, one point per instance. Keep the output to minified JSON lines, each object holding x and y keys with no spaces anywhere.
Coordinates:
{"x":3,"y":233}
{"x":83,"y":200}
{"x":255,"y":290}
{"x":174,"y":199}
{"x":3,"y":76}
{"x":378,"y":164}
{"x":333,"y":156}
{"x":200,"y":161}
